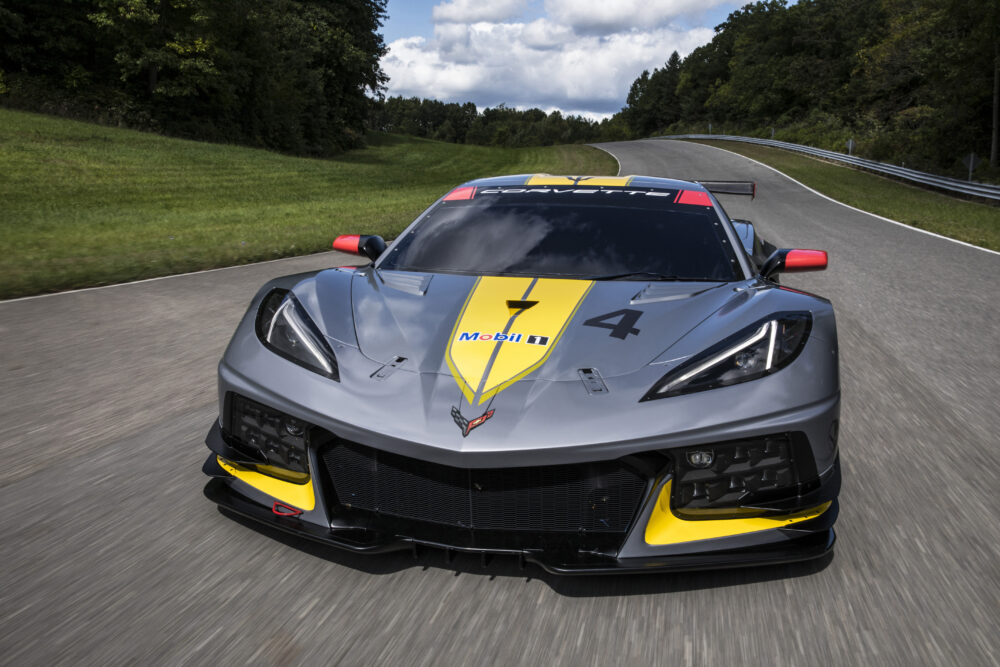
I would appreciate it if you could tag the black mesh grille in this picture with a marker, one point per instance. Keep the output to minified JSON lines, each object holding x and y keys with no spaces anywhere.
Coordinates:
{"x":596,"y":497}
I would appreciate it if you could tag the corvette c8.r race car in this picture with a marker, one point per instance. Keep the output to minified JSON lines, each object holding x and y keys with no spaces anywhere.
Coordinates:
{"x":591,"y":374}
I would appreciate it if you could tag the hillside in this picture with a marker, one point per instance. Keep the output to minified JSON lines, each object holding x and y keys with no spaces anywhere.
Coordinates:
{"x":89,"y":205}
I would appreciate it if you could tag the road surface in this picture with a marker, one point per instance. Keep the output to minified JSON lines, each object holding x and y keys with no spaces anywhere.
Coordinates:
{"x":111,"y":555}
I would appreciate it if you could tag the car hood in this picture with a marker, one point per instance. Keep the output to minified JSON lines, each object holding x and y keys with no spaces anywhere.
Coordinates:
{"x":449,"y":324}
{"x":412,"y":372}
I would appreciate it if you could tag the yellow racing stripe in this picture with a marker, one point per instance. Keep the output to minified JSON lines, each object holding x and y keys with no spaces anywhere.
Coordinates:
{"x":483,"y":363}
{"x":485,"y":312}
{"x":664,"y":527}
{"x":545,"y":179}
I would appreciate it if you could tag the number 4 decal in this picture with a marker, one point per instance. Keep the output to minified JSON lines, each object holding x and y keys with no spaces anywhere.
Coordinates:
{"x":620,"y":329}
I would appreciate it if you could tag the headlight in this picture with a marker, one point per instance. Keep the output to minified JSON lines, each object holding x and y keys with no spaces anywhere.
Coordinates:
{"x":284,"y":328}
{"x":731,"y":479}
{"x":761,"y":349}
{"x":278,"y":438}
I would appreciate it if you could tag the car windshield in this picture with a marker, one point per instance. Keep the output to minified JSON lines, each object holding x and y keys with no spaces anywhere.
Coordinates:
{"x":594,"y":234}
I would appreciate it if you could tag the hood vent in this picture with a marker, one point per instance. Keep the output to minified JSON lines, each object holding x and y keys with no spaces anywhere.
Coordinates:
{"x":593,"y":381}
{"x":405,"y":281}
{"x":667,"y":291}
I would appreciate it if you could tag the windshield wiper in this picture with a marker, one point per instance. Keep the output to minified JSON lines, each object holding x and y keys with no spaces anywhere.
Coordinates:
{"x":651,"y":276}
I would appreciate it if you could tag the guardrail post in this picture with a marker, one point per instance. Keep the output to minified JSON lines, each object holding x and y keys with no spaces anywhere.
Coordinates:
{"x":970,"y":161}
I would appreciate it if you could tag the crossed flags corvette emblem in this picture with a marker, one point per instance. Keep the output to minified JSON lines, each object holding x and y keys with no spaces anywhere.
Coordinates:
{"x":467,"y":425}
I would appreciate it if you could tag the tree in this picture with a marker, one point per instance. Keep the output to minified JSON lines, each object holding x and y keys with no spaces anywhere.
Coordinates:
{"x":931,"y":81}
{"x":652,"y":99}
{"x":296,"y":75}
{"x":52,"y":42}
{"x":915,"y":80}
{"x":165,"y":43}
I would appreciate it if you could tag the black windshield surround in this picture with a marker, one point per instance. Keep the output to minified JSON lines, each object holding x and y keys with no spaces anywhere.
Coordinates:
{"x":569,"y":233}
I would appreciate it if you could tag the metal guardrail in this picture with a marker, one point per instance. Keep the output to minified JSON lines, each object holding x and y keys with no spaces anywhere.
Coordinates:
{"x":954,"y":185}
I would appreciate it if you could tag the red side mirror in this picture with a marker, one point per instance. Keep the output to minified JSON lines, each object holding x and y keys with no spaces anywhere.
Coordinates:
{"x":791,"y":261}
{"x":805,"y":260}
{"x":348,"y":243}
{"x":369,"y":246}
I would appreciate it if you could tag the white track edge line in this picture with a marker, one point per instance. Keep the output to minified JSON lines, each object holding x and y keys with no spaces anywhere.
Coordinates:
{"x":601,"y":148}
{"x":854,"y":208}
{"x":173,"y":275}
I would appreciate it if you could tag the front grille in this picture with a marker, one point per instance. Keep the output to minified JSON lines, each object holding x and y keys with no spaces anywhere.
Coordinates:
{"x":593,"y":497}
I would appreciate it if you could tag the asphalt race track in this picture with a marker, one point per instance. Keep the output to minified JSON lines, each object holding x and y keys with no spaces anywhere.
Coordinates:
{"x":110,"y":554}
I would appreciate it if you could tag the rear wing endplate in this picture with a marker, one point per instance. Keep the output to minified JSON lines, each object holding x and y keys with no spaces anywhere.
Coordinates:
{"x":730,"y":187}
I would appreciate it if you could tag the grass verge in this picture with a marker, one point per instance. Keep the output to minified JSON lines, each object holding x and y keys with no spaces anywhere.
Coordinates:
{"x":978,"y":224}
{"x":86,"y":205}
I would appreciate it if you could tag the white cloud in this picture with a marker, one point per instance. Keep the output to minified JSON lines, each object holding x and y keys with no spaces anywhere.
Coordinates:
{"x":611,"y":16}
{"x":542,"y":63}
{"x":580,"y":58}
{"x":471,"y":11}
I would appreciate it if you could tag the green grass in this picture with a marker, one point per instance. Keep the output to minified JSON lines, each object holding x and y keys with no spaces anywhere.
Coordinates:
{"x":967,"y":221}
{"x":84,"y":205}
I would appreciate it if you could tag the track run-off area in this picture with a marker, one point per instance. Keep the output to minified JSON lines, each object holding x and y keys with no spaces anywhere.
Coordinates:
{"x":112,"y":555}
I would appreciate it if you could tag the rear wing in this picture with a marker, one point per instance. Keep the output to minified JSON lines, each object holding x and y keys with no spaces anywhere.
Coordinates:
{"x":730,"y":187}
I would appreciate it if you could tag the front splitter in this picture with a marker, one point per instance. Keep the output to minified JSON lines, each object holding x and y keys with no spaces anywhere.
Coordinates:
{"x":803,"y":544}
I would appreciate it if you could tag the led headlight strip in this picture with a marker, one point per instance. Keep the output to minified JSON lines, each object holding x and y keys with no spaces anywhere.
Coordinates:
{"x":284,"y":328}
{"x":721,"y":357}
{"x":286,"y":312}
{"x":763,"y":348}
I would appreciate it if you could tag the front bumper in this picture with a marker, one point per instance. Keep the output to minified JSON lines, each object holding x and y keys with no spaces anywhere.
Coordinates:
{"x":801,"y":540}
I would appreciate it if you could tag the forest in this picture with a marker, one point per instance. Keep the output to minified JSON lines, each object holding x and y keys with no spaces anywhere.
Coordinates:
{"x":913,"y":82}
{"x":292,"y":75}
{"x":496,"y":126}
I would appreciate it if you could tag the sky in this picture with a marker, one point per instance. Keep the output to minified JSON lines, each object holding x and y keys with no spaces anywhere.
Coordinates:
{"x":578,"y":56}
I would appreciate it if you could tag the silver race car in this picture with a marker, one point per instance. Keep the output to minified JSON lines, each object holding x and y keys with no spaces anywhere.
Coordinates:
{"x":591,"y":374}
